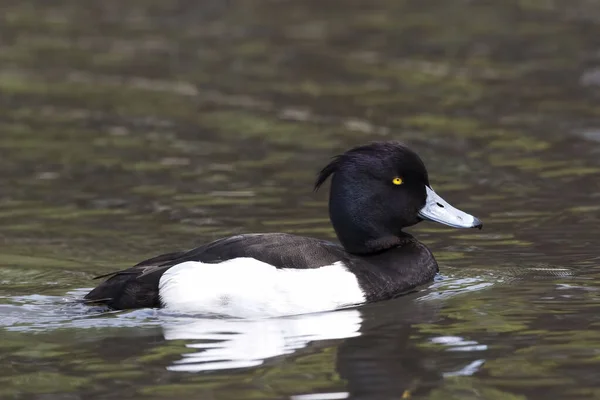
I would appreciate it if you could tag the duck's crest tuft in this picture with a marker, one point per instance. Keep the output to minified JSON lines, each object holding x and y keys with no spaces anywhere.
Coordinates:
{"x":372,"y":150}
{"x":329,"y":169}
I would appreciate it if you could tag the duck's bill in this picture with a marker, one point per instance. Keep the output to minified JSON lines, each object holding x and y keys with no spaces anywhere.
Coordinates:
{"x":438,"y":210}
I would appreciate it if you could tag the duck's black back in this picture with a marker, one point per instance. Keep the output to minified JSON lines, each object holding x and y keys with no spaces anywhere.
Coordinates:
{"x":382,"y":275}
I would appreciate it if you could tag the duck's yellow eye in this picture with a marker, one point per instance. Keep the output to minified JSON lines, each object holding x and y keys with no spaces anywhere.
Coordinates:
{"x":397,"y":181}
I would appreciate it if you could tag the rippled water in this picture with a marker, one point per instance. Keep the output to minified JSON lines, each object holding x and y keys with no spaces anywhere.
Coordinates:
{"x":133,"y":128}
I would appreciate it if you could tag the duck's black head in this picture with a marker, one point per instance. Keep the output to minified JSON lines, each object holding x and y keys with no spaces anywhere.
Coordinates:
{"x":379,"y":189}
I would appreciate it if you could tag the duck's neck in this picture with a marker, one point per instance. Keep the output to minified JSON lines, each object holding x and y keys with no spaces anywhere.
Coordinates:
{"x":362,"y":235}
{"x":375,"y":246}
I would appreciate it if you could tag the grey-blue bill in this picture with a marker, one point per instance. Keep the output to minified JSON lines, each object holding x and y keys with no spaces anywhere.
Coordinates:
{"x":439,"y":210}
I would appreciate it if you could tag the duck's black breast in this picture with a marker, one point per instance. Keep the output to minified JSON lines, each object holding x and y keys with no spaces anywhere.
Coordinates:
{"x":380,"y":276}
{"x":394,"y":271}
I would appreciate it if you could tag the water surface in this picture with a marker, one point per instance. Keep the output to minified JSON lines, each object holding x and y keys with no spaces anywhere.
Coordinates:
{"x":133,"y":128}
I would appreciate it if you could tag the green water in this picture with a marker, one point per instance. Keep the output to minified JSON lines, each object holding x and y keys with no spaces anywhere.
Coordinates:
{"x":133,"y":128}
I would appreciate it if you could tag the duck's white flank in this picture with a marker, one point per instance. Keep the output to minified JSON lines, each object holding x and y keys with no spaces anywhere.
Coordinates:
{"x":248,"y":288}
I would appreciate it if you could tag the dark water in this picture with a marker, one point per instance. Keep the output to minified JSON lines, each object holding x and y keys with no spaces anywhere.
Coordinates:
{"x":133,"y":128}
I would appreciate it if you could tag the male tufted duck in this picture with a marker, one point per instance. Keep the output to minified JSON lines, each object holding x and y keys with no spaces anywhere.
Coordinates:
{"x":376,"y":190}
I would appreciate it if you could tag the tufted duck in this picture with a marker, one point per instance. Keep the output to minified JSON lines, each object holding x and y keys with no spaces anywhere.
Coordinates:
{"x":376,"y":190}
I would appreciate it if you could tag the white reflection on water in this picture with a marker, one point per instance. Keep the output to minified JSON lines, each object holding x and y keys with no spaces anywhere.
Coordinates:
{"x":236,"y":343}
{"x":219,"y":343}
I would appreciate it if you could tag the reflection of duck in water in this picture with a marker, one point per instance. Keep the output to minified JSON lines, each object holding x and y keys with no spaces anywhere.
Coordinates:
{"x":394,"y":359}
{"x":381,"y":354}
{"x":242,"y":343}
{"x":376,"y":191}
